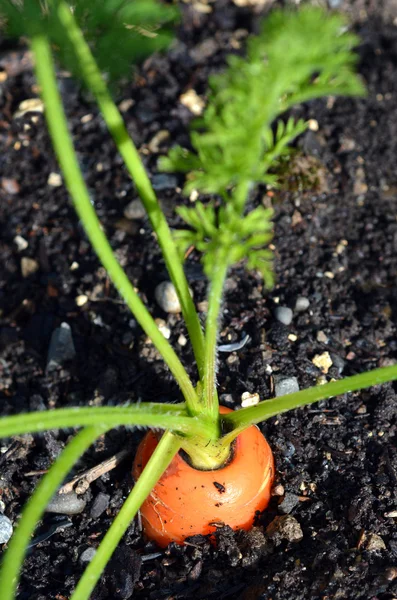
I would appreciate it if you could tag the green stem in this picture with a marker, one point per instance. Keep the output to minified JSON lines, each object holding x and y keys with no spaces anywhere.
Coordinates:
{"x":133,"y":162}
{"x":159,"y":461}
{"x":241,"y":419}
{"x":75,"y":183}
{"x":218,"y":277}
{"x":162,"y":416}
{"x":12,"y":562}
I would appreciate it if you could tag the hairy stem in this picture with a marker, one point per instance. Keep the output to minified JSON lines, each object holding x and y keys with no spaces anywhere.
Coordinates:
{"x":211,"y":335}
{"x":162,"y":416}
{"x":67,"y":159}
{"x":133,"y":162}
{"x":159,"y":461}
{"x":34,"y":509}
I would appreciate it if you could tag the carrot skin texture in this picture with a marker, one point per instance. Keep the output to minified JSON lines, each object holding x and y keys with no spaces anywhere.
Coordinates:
{"x":187,"y":501}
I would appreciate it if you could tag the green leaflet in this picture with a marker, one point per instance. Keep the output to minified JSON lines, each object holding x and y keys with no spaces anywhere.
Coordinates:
{"x":119,"y":33}
{"x":299,"y":55}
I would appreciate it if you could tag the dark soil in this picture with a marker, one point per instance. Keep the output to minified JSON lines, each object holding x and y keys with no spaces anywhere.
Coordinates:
{"x":336,"y":244}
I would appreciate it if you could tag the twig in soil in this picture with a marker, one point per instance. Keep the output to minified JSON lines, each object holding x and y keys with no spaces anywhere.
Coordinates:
{"x":84,"y":479}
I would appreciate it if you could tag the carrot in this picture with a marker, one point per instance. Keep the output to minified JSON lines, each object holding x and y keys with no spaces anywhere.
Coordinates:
{"x":187,"y":501}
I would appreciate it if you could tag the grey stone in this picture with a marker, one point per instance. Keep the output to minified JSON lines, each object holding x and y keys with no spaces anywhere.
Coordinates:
{"x":167,"y":298}
{"x":99,"y":505}
{"x":87,"y":555}
{"x":373,"y":543}
{"x":6,"y":529}
{"x":61,"y":347}
{"x":135,"y":210}
{"x":66,"y":504}
{"x":284,"y":528}
{"x":285,"y":385}
{"x":163,"y":181}
{"x":302,"y":303}
{"x":284,"y":315}
{"x":288,"y":504}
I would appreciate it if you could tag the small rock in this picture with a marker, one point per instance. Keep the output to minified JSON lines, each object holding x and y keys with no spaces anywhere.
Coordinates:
{"x":284,"y":315}
{"x":163,"y":328}
{"x":288,"y":504}
{"x":248,"y":399}
{"x":29,"y":266}
{"x":81,"y":300}
{"x":157,"y":140}
{"x":29,"y":105}
{"x":6,"y":529}
{"x":323,"y":362}
{"x":20,"y":243}
{"x":87,"y":555}
{"x":193,"y":102}
{"x":285,"y":385}
{"x":202,"y":307}
{"x":182,"y":340}
{"x":61,"y":347}
{"x":167,"y":298}
{"x":302,"y":303}
{"x":99,"y":505}
{"x":163,"y":181}
{"x":373,"y":543}
{"x":134,"y":210}
{"x":284,"y":528}
{"x":321,"y":337}
{"x":10,"y":186}
{"x":54,"y":180}
{"x":66,"y":504}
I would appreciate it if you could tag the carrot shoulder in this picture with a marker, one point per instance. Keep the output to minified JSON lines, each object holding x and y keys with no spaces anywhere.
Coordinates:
{"x":187,"y":501}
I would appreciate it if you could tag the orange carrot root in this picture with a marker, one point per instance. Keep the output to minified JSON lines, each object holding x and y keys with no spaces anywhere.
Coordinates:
{"x":187,"y":501}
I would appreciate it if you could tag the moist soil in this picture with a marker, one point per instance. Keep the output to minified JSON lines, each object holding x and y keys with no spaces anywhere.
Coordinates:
{"x":329,"y":531}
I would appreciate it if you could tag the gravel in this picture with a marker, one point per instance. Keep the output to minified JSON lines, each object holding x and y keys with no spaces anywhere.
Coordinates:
{"x":6,"y":529}
{"x":284,"y":315}
{"x":285,"y":385}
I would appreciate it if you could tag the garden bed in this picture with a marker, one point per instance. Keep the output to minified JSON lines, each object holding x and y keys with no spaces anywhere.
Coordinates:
{"x":336,"y":246}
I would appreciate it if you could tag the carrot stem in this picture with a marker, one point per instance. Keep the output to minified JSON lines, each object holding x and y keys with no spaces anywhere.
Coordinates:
{"x":159,"y":461}
{"x":133,"y":162}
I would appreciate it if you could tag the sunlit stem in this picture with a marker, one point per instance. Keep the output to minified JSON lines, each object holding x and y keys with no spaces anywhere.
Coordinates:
{"x":159,"y":461}
{"x":77,"y":188}
{"x":34,"y":509}
{"x":133,"y":162}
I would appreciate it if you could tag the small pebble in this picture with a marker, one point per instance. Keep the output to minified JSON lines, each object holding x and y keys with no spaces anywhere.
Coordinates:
{"x":81,"y":300}
{"x":163,"y":328}
{"x":285,"y":385}
{"x":284,"y":315}
{"x":302,"y":303}
{"x":288,"y":504}
{"x":29,"y":266}
{"x":373,"y":543}
{"x":66,"y":504}
{"x":248,"y":399}
{"x":163,"y":181}
{"x":321,"y":337}
{"x":99,"y":505}
{"x":54,"y":180}
{"x":134,"y":210}
{"x":193,"y":102}
{"x":6,"y":529}
{"x":323,"y":362}
{"x":29,"y":105}
{"x":182,"y":340}
{"x":285,"y":528}
{"x":87,"y":555}
{"x":61,"y":347}
{"x":20,"y":243}
{"x":167,"y":298}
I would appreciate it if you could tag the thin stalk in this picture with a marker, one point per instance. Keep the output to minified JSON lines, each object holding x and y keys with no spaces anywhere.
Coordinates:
{"x":114,"y":121}
{"x":13,"y":558}
{"x":67,"y":159}
{"x":241,"y":419}
{"x":142,"y":415}
{"x":159,"y":461}
{"x":211,"y":335}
